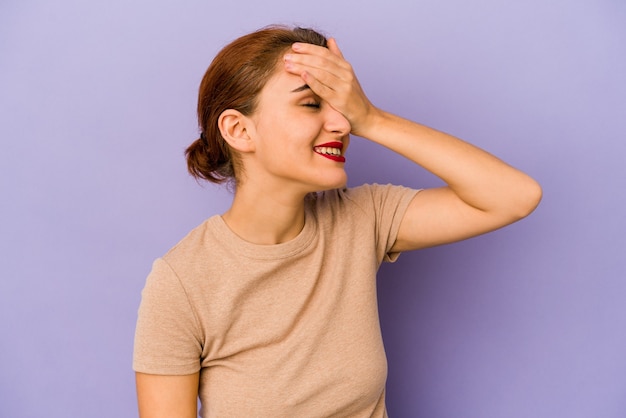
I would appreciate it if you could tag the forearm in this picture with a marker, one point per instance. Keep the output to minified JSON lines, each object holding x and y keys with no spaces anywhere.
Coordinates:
{"x":478,"y":178}
{"x":482,"y":192}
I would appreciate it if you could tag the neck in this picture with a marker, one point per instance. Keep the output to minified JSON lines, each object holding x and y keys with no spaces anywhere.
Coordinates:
{"x":265,"y":218}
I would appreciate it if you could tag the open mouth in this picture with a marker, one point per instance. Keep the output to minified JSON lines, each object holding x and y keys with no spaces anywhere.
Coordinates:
{"x":331,"y":150}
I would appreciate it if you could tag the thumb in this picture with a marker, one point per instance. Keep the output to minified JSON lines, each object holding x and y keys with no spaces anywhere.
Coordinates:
{"x":332,"y":46}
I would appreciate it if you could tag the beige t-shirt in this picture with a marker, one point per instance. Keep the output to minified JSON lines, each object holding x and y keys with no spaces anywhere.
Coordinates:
{"x":287,"y":330}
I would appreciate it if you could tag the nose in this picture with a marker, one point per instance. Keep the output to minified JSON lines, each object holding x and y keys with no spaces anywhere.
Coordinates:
{"x":336,"y":122}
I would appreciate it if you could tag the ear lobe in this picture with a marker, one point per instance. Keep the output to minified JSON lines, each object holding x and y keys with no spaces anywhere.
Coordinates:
{"x":233,"y":126}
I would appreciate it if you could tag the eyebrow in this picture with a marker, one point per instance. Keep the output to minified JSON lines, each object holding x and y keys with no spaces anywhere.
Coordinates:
{"x":301,"y":88}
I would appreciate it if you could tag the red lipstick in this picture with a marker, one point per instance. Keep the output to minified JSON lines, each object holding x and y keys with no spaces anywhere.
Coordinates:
{"x":331,"y":150}
{"x":334,"y":144}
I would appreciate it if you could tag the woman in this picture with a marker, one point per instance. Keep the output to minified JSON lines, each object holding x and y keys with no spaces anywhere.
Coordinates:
{"x":269,"y":310}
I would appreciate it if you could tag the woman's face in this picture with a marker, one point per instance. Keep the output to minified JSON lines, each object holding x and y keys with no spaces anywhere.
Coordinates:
{"x":300,"y":141}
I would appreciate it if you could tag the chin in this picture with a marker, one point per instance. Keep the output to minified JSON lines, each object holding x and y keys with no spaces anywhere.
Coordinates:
{"x":338,"y":184}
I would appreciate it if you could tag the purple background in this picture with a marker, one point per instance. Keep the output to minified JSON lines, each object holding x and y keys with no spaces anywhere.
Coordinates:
{"x":97,"y":101}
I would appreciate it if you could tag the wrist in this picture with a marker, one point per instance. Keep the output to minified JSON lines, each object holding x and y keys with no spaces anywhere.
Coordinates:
{"x":373,"y":121}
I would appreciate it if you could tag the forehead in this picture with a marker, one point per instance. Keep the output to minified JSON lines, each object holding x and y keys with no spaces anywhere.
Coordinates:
{"x":281,"y":82}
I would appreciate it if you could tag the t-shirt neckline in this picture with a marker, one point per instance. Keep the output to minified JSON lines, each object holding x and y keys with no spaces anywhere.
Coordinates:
{"x":235,"y":243}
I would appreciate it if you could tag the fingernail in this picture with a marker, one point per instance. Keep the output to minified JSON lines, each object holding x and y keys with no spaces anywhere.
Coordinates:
{"x":296,"y":46}
{"x":288,"y":57}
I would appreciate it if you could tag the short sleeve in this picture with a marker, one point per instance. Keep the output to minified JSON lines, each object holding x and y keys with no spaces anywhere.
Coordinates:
{"x":387,"y":204}
{"x":168,"y":339}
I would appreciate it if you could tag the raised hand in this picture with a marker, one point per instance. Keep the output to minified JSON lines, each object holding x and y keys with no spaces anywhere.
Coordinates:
{"x":332,"y":78}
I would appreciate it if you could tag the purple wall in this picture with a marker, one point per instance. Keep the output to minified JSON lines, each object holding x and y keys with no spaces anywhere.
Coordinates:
{"x":97,"y":104}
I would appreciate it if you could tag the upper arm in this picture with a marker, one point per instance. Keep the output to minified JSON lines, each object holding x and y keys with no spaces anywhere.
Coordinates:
{"x":167,"y":396}
{"x":439,"y":216}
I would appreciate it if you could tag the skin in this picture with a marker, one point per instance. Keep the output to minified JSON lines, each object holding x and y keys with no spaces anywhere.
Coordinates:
{"x":167,"y":396}
{"x":482,"y":193}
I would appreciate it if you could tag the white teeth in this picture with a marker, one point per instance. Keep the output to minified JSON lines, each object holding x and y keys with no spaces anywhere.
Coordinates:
{"x":328,"y":150}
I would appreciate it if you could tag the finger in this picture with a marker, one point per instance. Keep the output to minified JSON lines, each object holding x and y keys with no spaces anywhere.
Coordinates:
{"x":331,"y":63}
{"x":312,"y":62}
{"x":303,"y":47}
{"x":319,"y":51}
{"x":330,"y":80}
{"x":306,"y":48}
{"x":318,"y":87}
{"x":327,"y":93}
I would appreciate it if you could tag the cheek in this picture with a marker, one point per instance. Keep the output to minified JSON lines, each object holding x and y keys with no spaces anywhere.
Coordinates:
{"x":287,"y":130}
{"x":290,"y":133}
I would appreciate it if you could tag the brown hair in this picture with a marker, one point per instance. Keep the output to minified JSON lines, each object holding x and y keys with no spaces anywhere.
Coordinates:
{"x":233,"y":81}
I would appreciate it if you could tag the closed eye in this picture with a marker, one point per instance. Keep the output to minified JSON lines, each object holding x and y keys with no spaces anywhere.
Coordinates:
{"x":315,"y":105}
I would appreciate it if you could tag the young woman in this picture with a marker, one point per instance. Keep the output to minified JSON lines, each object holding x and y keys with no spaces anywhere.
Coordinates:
{"x":269,"y":310}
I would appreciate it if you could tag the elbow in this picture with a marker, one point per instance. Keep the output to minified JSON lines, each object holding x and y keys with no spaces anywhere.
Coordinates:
{"x":529,"y":196}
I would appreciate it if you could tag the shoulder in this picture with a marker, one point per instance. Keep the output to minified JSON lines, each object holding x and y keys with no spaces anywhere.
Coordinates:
{"x":194,"y":245}
{"x":365,"y":197}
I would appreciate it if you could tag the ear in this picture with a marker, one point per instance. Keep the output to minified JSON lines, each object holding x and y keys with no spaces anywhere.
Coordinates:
{"x":234,"y":127}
